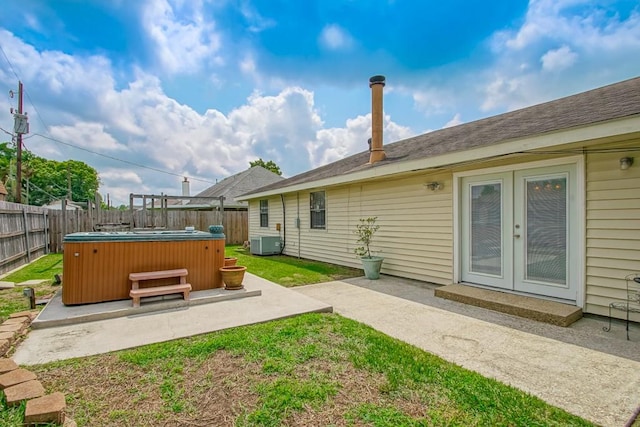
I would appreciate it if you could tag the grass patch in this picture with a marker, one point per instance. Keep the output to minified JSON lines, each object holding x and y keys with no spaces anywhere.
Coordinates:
{"x":314,"y":369}
{"x":290,"y":271}
{"x":44,"y":268}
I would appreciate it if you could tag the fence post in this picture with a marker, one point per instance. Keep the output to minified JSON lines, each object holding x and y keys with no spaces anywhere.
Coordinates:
{"x":131,"y":211}
{"x":63,"y":203}
{"x":45,"y":226}
{"x":26,"y":233}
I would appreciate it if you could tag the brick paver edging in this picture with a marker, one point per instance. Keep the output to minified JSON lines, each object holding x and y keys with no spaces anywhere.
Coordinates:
{"x":19,"y":384}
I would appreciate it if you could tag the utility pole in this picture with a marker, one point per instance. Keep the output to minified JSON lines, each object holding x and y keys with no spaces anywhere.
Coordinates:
{"x":19,"y":150}
{"x":20,"y":127}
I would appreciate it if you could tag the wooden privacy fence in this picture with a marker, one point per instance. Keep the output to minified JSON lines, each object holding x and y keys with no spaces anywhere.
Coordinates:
{"x":24,"y":234}
{"x":236,"y":225}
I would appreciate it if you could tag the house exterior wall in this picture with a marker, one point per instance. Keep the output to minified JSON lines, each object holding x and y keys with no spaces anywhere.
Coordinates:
{"x":612,"y":227}
{"x":275,"y":217}
{"x":415,"y":235}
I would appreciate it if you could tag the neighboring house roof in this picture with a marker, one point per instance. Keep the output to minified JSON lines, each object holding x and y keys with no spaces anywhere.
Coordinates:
{"x":3,"y":189}
{"x":235,"y":185}
{"x":616,"y":101}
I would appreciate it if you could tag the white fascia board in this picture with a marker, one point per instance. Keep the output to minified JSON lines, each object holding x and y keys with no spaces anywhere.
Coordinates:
{"x":552,"y":139}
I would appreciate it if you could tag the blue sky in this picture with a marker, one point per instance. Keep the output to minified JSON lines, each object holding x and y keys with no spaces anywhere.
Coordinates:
{"x":199,"y":88}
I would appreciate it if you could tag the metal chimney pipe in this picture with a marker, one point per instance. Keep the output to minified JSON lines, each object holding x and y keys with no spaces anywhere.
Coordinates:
{"x":186,"y":191}
{"x":376,"y":83}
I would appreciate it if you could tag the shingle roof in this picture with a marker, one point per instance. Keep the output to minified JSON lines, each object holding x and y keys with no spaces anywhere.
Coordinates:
{"x":3,"y":189}
{"x":238,"y":184}
{"x":615,"y":101}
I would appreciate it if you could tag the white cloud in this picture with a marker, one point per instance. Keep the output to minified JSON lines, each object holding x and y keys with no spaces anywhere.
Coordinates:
{"x":117,"y":184}
{"x":117,"y":175}
{"x":334,"y":37}
{"x":248,"y":67}
{"x":605,"y":47}
{"x":558,"y":59}
{"x":433,"y":99}
{"x":32,"y":22}
{"x":256,"y":21}
{"x":181,"y":44}
{"x":455,"y":121}
{"x":337,"y":143}
{"x":89,"y":135}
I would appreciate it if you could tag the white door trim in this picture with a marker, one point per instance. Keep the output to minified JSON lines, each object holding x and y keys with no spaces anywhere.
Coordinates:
{"x":580,"y":217}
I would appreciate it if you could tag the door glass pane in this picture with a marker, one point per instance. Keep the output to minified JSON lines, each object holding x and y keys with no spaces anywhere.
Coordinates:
{"x":486,"y":229}
{"x":546,"y":225}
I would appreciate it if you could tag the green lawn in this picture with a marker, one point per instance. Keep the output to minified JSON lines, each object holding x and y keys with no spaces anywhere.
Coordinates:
{"x":289,"y":271}
{"x":314,"y":369}
{"x":46,"y":267}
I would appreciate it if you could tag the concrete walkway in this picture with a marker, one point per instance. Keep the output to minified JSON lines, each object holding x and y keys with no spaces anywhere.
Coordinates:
{"x":103,"y":336}
{"x":597,"y":386}
{"x":586,"y":371}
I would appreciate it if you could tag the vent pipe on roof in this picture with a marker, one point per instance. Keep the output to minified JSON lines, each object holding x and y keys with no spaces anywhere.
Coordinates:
{"x":376,"y":83}
{"x":185,"y":187}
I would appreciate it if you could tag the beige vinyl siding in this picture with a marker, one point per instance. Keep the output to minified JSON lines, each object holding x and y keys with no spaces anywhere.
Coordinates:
{"x":613,"y":227}
{"x":275,"y":216}
{"x":415,"y":235}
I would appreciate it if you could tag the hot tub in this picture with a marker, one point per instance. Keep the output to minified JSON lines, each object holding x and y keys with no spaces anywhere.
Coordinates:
{"x":96,"y":265}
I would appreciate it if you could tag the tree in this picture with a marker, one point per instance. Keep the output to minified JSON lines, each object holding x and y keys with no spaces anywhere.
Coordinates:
{"x":270,"y":165}
{"x":47,"y":180}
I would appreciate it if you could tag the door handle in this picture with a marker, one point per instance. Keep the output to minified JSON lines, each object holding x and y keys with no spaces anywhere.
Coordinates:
{"x":516,"y":235}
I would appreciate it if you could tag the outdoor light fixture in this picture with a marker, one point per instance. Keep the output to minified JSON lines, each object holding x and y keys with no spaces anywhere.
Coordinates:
{"x":626,"y":162}
{"x":433,"y":186}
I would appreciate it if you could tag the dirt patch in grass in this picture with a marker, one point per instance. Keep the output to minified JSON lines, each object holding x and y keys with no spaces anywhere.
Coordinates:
{"x":219,"y":390}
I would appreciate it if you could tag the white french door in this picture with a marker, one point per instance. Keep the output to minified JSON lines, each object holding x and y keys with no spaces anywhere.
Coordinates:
{"x":517,"y":231}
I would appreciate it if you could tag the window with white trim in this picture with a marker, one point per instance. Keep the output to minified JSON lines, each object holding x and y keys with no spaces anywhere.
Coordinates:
{"x":317,"y":210}
{"x":264,"y":213}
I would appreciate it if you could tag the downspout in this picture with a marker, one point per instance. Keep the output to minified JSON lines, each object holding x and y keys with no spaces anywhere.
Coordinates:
{"x":284,"y":225}
{"x":298,"y":221}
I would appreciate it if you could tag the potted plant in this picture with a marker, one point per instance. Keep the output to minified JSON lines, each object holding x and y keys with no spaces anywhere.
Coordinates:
{"x":230,"y":261}
{"x":232,"y":276}
{"x":370,"y":263}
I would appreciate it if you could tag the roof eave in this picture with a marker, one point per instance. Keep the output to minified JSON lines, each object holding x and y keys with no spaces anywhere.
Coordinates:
{"x":627,"y":125}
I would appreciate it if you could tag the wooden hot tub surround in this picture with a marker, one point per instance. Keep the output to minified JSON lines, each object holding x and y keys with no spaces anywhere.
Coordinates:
{"x":96,"y":265}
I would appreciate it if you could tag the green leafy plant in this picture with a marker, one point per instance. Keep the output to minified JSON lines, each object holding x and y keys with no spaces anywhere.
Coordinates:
{"x":365,"y":231}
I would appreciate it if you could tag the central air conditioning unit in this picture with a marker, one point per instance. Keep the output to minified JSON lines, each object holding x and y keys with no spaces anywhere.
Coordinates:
{"x":265,"y":245}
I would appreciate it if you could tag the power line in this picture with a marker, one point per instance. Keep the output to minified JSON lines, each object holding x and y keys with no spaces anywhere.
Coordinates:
{"x":44,"y":191}
{"x":9,"y":62}
{"x":84,"y":149}
{"x":119,"y":160}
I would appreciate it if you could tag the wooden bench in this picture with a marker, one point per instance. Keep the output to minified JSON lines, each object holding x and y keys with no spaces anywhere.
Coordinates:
{"x":180,"y":288}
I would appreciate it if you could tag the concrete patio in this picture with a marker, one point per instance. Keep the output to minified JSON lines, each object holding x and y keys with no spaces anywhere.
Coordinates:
{"x":580,"y":368}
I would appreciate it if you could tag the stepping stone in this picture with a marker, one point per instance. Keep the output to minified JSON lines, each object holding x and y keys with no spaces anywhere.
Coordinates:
{"x":5,"y":345}
{"x":30,"y":314}
{"x":7,"y":365}
{"x":16,"y":376}
{"x":11,"y":328}
{"x":6,"y":285}
{"x":45,"y":409}
{"x":16,"y":321}
{"x":32,"y":282}
{"x":23,"y":391}
{"x":6,"y":336}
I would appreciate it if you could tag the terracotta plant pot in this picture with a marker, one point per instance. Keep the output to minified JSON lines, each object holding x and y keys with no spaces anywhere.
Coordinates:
{"x":230,"y":261}
{"x":232,"y":276}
